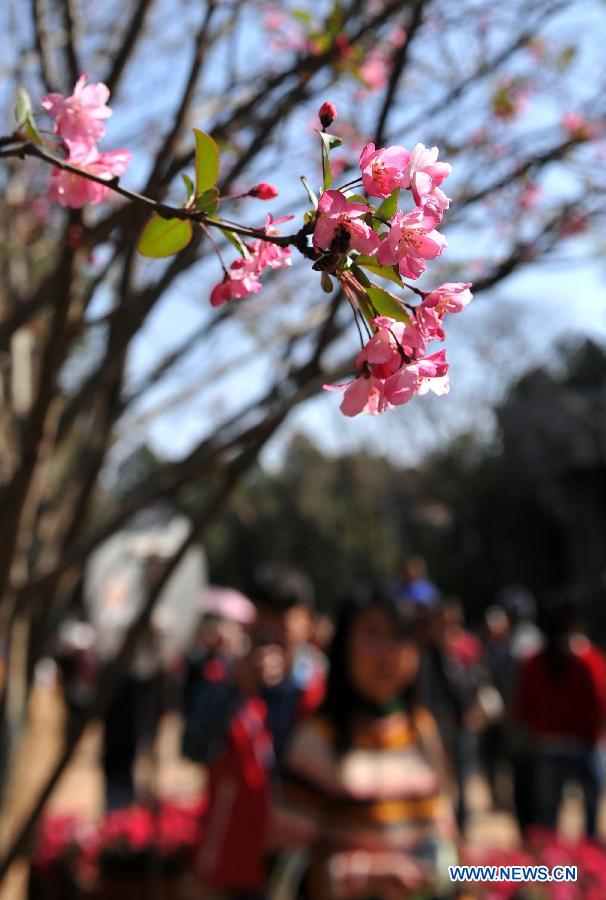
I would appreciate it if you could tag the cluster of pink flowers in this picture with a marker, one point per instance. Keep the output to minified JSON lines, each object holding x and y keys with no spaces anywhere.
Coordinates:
{"x":244,"y":273}
{"x":80,"y":122}
{"x":412,"y":238}
{"x":392,"y":368}
{"x":394,"y":365}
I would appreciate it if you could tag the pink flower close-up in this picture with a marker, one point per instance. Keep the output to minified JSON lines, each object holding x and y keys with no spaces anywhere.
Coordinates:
{"x":79,"y":118}
{"x":337,"y":214}
{"x":383,"y":170}
{"x":391,"y":370}
{"x":412,"y":240}
{"x":423,"y":176}
{"x":241,"y":281}
{"x":69,"y":189}
{"x":448,"y":298}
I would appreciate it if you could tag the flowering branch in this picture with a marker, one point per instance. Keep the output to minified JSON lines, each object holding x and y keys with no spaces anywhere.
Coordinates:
{"x":350,"y":236}
{"x":164,"y":210}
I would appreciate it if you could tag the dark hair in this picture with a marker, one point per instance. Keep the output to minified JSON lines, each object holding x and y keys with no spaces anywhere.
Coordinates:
{"x":280,"y":586}
{"x":341,"y":699}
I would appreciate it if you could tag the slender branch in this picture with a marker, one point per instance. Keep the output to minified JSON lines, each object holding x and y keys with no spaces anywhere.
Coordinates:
{"x":131,"y":36}
{"x":71,"y":54}
{"x":297,"y":240}
{"x":41,"y":44}
{"x":398,"y":67}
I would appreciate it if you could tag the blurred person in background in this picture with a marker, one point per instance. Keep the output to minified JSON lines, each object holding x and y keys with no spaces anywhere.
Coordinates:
{"x":76,"y":659}
{"x":448,"y":687}
{"x":494,"y":750}
{"x":559,"y":702}
{"x":523,"y":639}
{"x":363,"y":788}
{"x":415,"y":586}
{"x":132,"y":718}
{"x":208,"y":681}
{"x":271,"y":686}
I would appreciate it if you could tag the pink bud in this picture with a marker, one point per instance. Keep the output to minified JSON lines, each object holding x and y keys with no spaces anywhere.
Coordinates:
{"x":327,"y":114}
{"x":263,"y":191}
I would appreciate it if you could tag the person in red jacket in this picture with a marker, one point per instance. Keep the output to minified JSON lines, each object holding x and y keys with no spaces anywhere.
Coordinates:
{"x":560,"y":703}
{"x":242,"y":729}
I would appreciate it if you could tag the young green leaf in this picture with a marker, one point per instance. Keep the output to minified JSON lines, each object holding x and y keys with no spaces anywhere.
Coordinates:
{"x":23,"y":107}
{"x":329,"y":142}
{"x":31,"y":131}
{"x":164,"y":237}
{"x":236,"y":241}
{"x":207,"y":162}
{"x":388,"y":208}
{"x":208,"y":201}
{"x":189,"y":187}
{"x":302,"y":15}
{"x":387,"y":304}
{"x":388,"y":272}
{"x":310,"y":193}
{"x":357,"y":198}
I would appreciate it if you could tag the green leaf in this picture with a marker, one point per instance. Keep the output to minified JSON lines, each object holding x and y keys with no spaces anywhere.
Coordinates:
{"x":303,"y":16}
{"x":164,"y":237}
{"x":189,"y":187}
{"x":310,"y":193}
{"x":357,"y":198}
{"x":23,"y":107}
{"x":334,"y":22}
{"x":388,"y":272}
{"x":207,"y":162}
{"x":236,"y":241}
{"x":208,"y":201}
{"x":31,"y":131}
{"x":361,"y":276}
{"x":388,"y":208}
{"x":387,"y":304}
{"x":329,"y":142}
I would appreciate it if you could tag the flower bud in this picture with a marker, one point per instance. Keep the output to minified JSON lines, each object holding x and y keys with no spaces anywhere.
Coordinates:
{"x":327,"y":114}
{"x":263,"y":191}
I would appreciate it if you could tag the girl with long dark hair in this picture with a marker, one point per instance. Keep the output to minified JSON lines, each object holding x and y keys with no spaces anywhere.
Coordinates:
{"x":363,"y":776}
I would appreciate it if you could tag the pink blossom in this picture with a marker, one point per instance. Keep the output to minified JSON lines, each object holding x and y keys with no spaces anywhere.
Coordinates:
{"x":432,"y":374}
{"x":79,"y":117}
{"x":411,"y":240}
{"x":364,"y":394}
{"x":451,"y":297}
{"x":389,"y":370}
{"x":373,"y":71}
{"x":530,"y":196}
{"x":337,"y":215}
{"x":448,"y":298}
{"x":423,"y":176}
{"x":69,"y":189}
{"x":392,"y":344}
{"x":577,"y":126}
{"x":241,"y":281}
{"x":244,"y":272}
{"x":383,"y":170}
{"x":263,"y":191}
{"x":265,"y":253}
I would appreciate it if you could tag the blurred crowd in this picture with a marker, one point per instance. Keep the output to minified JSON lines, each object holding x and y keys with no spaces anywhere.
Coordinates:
{"x":337,"y":751}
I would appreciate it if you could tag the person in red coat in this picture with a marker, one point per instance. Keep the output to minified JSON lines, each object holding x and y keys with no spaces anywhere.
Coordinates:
{"x":560,"y":701}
